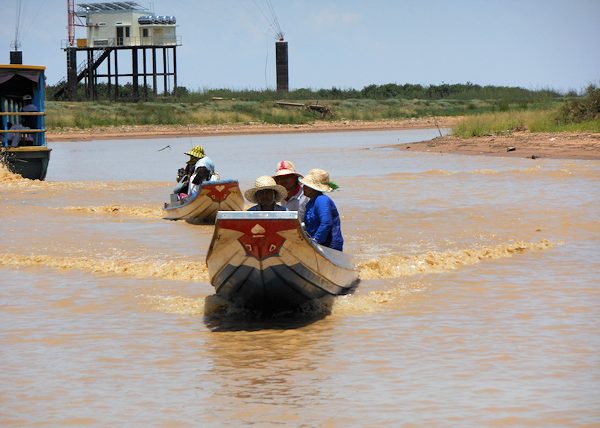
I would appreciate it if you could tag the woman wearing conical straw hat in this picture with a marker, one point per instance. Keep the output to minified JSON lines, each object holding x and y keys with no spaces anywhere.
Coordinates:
{"x":322,"y":219}
{"x":195,"y":153}
{"x":184,"y":174}
{"x":199,"y":168}
{"x":266,"y":194}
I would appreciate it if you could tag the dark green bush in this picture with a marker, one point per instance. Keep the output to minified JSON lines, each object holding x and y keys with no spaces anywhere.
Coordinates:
{"x":582,"y":109}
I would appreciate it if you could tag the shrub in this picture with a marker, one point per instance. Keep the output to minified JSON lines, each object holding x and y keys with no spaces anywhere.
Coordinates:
{"x":581,"y":110}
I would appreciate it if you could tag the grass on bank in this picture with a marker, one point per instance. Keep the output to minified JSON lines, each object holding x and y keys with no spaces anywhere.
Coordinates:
{"x":508,"y":109}
{"x":573,"y":115}
{"x":508,"y":122}
{"x":96,"y":114}
{"x":64,"y":114}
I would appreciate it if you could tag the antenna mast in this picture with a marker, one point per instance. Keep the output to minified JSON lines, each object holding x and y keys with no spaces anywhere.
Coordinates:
{"x":16,"y":43}
{"x":281,"y":46}
{"x":16,"y":56}
{"x":71,"y":21}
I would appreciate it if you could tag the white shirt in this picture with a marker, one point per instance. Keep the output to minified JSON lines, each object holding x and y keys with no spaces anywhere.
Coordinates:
{"x":296,"y":202}
{"x":208,"y":164}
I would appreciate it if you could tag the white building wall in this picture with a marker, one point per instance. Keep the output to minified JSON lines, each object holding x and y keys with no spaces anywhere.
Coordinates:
{"x":102,"y":30}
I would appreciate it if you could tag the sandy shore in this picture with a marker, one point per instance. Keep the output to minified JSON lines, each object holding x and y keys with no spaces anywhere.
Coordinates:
{"x":153,"y":131}
{"x":520,"y":144}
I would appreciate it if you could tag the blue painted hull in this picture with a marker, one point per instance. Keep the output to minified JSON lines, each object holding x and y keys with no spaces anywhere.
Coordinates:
{"x":30,"y":161}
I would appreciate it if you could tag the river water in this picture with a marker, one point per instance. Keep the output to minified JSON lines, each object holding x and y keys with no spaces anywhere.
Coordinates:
{"x":479,"y":302}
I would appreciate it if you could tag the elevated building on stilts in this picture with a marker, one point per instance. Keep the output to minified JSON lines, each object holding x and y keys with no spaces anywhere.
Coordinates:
{"x":128,"y":50}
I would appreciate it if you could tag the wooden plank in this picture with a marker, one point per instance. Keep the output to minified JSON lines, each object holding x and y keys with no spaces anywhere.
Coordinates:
{"x":285,"y":103}
{"x":21,"y":131}
{"x":22,"y":113}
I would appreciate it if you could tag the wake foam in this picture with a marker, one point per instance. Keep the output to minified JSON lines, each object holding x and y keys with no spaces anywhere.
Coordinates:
{"x":145,"y":212}
{"x":433,"y":262}
{"x":174,"y":304}
{"x":7,"y":176}
{"x":175,"y":270}
{"x":372,"y":301}
{"x":384,"y":267}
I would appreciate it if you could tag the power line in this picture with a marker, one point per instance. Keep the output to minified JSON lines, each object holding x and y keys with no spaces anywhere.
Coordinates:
{"x":275,"y":20}
{"x":268,"y":12}
{"x":266,"y":63}
{"x":16,"y":44}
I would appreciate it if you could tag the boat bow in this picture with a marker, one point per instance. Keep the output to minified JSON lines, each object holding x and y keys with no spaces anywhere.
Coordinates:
{"x":265,"y":259}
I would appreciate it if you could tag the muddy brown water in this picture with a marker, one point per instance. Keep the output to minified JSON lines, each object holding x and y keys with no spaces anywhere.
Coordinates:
{"x":479,"y":302}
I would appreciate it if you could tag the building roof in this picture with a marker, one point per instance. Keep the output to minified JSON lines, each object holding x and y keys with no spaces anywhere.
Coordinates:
{"x":110,"y":6}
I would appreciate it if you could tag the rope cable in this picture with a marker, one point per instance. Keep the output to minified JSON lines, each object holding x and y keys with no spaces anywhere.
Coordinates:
{"x":275,"y":20}
{"x":30,"y":15}
{"x":269,"y":17}
{"x":266,"y":63}
{"x":16,"y":43}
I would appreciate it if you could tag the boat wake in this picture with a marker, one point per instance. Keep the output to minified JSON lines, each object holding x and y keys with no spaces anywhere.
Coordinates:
{"x":385,"y":267}
{"x":176,"y":270}
{"x":363,"y":302}
{"x":7,"y":176}
{"x":173,"y":304}
{"x":394,"y":266}
{"x":144,"y":212}
{"x":15,"y":181}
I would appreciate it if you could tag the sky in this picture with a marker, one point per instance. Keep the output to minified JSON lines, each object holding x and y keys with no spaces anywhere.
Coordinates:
{"x":534,"y":44}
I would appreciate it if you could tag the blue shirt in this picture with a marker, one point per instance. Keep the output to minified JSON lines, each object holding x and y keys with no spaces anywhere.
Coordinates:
{"x":322,"y":222}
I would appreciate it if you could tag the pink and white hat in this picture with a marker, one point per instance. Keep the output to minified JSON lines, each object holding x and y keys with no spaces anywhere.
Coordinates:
{"x":286,"y":167}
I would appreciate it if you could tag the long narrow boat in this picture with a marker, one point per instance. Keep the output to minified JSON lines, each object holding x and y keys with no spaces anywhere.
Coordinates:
{"x":214,"y":196}
{"x":264,"y":260}
{"x":29,"y":156}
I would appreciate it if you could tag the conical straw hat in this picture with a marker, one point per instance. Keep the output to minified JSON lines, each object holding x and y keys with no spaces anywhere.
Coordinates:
{"x":318,"y":179}
{"x":196,"y":152}
{"x":266,"y":182}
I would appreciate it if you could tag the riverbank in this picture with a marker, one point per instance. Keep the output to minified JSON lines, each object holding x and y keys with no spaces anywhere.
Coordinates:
{"x":519,"y":144}
{"x":154,"y":131}
{"x":560,"y":145}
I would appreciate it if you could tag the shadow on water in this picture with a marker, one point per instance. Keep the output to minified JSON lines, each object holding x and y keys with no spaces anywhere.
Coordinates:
{"x":221,"y":315}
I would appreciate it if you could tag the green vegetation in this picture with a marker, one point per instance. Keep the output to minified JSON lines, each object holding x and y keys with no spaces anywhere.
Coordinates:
{"x":61,"y":114}
{"x":467,"y":91}
{"x":581,"y":110}
{"x":574,"y":114}
{"x":487,"y":110}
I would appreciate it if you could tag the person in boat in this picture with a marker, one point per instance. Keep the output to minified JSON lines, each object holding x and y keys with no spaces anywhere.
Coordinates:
{"x":184,"y":174}
{"x":29,"y":107}
{"x":286,"y":176}
{"x":14,"y":138}
{"x":204,"y":171}
{"x":322,"y":219}
{"x":266,"y":194}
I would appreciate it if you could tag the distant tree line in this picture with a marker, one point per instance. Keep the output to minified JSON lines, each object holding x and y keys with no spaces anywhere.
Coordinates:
{"x":395,"y":91}
{"x":464,"y":91}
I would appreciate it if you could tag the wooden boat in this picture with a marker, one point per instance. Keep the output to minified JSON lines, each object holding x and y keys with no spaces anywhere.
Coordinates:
{"x":264,"y":260}
{"x":214,"y":196}
{"x":30,"y":157}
